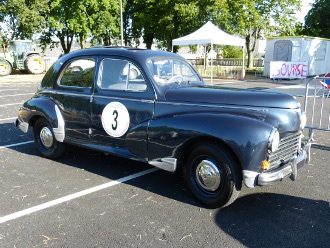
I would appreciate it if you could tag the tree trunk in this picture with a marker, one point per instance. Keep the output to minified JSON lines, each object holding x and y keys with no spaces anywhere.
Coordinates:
{"x":148,"y":39}
{"x":251,"y":41}
{"x":82,"y":41}
{"x":250,"y":59}
{"x":66,"y":45}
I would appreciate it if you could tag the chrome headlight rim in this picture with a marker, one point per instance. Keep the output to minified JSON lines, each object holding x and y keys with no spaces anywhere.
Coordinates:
{"x":274,"y":140}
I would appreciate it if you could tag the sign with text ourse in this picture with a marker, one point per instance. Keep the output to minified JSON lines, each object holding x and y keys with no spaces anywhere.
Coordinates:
{"x":281,"y":69}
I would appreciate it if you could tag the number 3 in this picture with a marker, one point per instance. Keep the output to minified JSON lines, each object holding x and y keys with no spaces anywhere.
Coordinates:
{"x":115,"y":114}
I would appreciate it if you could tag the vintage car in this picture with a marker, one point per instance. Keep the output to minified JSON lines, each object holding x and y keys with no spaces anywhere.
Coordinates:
{"x":153,"y":106}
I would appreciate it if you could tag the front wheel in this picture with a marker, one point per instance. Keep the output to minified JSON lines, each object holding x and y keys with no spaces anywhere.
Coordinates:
{"x":44,"y":140}
{"x":212,"y":176}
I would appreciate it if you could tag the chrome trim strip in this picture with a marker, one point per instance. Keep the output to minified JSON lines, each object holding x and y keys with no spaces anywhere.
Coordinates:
{"x":124,"y":99}
{"x":72,"y":94}
{"x":168,"y":164}
{"x":59,"y":132}
{"x":106,"y":97}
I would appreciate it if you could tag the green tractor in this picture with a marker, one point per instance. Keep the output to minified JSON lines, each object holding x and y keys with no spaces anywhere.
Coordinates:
{"x":21,"y":57}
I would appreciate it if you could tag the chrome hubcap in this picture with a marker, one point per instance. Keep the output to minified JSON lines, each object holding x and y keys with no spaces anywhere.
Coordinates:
{"x":208,"y":175}
{"x":46,"y":137}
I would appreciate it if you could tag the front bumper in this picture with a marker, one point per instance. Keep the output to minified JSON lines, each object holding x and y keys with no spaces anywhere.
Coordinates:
{"x":252,"y":179}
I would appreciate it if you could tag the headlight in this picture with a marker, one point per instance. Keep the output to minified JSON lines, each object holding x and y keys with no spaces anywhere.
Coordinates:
{"x":303,"y":120}
{"x":274,"y":140}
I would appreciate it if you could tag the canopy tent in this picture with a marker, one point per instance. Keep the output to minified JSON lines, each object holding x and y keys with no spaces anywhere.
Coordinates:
{"x":210,"y":34}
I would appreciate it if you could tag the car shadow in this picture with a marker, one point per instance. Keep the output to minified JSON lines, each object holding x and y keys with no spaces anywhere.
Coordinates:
{"x":9,"y":134}
{"x":166,"y":184}
{"x":276,"y":220}
{"x":163,"y":183}
{"x":321,"y":147}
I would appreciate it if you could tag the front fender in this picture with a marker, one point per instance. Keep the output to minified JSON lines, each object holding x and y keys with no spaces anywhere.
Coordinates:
{"x":245,"y":136}
{"x":40,"y":106}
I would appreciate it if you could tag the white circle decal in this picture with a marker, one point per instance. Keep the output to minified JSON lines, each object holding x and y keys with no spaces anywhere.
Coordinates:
{"x":115,"y":119}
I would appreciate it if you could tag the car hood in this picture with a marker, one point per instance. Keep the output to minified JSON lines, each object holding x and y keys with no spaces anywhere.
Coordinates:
{"x":231,"y":96}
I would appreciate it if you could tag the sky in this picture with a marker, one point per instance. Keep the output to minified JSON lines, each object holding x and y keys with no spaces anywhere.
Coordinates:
{"x":304,"y":10}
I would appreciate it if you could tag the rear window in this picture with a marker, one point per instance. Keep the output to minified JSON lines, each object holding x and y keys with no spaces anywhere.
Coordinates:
{"x":78,"y":73}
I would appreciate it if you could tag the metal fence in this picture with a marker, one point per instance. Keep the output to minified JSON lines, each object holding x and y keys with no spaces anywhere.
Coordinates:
{"x":317,"y":105}
{"x":227,"y":62}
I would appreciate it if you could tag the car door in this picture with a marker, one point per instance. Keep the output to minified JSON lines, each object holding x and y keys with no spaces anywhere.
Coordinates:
{"x":74,"y":88}
{"x":122,"y":106}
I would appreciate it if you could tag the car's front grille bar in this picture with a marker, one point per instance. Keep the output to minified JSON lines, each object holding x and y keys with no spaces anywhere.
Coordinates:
{"x":287,"y":149}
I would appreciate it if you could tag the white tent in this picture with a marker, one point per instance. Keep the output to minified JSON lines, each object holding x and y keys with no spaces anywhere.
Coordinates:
{"x":210,"y":34}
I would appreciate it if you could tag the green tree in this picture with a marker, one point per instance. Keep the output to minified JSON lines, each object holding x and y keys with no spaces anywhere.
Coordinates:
{"x":104,"y":21}
{"x":231,"y":52}
{"x":317,"y":20}
{"x":67,"y":19}
{"x":166,"y":20}
{"x":61,"y":23}
{"x":253,"y":18}
{"x":21,"y":19}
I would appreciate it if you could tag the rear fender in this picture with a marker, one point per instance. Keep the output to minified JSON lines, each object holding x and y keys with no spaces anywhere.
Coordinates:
{"x":39,"y":106}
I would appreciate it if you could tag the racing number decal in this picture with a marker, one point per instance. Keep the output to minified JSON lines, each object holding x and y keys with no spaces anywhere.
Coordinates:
{"x":115,"y":113}
{"x":115,"y":119}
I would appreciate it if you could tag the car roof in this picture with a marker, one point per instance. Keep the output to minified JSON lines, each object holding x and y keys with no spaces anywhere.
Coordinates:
{"x":137,"y":54}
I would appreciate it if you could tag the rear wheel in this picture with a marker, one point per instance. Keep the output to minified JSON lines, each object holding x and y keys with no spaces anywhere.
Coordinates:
{"x":5,"y":68}
{"x":35,"y":64}
{"x":212,"y":176}
{"x":44,"y":140}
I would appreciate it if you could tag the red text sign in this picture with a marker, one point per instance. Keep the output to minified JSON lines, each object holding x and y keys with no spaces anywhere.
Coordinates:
{"x":280,"y":69}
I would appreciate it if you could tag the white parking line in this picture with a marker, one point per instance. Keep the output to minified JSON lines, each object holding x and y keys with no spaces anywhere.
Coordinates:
{"x":8,"y":119}
{"x":9,"y":104}
{"x":18,"y":95}
{"x":17,"y":144}
{"x":73,"y":196}
{"x":8,"y":90}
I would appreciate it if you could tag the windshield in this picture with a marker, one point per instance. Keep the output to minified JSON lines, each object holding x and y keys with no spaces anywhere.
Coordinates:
{"x":20,"y":46}
{"x":171,"y":70}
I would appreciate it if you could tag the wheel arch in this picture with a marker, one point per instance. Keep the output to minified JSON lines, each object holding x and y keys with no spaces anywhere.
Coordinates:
{"x":183,"y":151}
{"x":6,"y":60}
{"x":50,"y":111}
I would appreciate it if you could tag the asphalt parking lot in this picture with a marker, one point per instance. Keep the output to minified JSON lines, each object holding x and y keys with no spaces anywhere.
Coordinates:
{"x":88,"y":199}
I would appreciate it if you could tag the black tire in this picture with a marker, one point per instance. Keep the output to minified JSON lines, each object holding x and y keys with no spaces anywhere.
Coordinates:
{"x":35,"y":64}
{"x":5,"y":68}
{"x":44,"y":140}
{"x":211,"y":173}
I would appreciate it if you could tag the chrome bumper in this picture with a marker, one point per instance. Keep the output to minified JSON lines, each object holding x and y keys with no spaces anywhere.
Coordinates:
{"x":252,"y":179}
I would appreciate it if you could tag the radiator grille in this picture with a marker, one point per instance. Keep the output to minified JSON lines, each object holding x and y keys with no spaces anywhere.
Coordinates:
{"x":287,"y":149}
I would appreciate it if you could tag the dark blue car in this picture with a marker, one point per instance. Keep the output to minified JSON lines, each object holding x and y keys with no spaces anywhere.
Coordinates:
{"x":154,"y":107}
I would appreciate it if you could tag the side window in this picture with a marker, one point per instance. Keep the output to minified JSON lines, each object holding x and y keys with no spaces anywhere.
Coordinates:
{"x":78,"y":73}
{"x":116,"y":74}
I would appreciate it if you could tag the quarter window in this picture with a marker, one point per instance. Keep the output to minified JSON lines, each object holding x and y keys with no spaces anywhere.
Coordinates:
{"x":117,"y":74}
{"x":78,"y":73}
